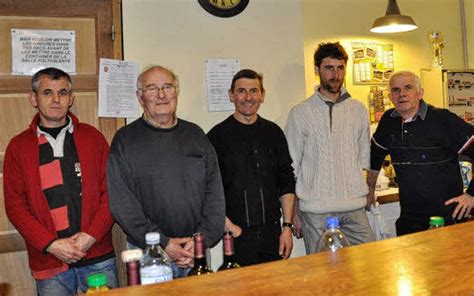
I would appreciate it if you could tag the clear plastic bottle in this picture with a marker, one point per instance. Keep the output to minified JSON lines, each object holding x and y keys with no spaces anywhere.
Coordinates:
{"x":436,"y":222}
{"x":154,"y":267}
{"x":332,"y":239}
{"x":96,"y":282}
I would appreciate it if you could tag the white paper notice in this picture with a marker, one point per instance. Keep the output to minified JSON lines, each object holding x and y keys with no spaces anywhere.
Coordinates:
{"x":117,"y":86}
{"x":33,"y":50}
{"x":219,"y":73}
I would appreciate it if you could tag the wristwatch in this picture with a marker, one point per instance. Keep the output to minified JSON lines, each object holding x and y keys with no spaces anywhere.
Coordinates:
{"x":287,"y":224}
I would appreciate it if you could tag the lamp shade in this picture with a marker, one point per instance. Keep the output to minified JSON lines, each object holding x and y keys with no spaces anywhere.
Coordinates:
{"x":393,"y":21}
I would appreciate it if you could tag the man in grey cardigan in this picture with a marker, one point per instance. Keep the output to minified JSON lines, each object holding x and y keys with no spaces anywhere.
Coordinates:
{"x":328,"y":139}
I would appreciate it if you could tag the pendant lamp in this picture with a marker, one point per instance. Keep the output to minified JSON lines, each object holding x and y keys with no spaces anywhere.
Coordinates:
{"x":393,"y":21}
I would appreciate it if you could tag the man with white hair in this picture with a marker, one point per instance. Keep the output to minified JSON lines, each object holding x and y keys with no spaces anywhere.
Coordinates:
{"x":424,"y":143}
{"x":163,"y":175}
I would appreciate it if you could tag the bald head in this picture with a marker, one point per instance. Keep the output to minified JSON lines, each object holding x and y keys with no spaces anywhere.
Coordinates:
{"x":157,"y":68}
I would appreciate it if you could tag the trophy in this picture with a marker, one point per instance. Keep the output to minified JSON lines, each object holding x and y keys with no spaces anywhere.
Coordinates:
{"x":437,"y":43}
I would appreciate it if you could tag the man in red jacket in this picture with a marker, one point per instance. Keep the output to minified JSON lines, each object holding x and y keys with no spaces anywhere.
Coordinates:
{"x":55,"y":191}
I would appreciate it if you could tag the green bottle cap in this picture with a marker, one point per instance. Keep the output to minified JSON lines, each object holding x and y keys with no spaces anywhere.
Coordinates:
{"x":437,"y":221}
{"x":96,"y":280}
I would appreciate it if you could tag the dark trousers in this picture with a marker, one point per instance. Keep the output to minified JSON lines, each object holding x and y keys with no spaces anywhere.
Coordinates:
{"x":258,"y":244}
{"x":407,"y":224}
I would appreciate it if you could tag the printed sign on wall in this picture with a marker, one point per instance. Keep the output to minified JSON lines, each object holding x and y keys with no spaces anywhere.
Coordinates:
{"x":34,"y":50}
{"x":219,"y":74}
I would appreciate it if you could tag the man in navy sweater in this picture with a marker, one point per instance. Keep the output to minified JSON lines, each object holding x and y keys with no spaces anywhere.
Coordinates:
{"x":424,"y":143}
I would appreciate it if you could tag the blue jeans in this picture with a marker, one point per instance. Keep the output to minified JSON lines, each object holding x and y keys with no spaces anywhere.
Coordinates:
{"x":74,"y":280}
{"x":179,"y":272}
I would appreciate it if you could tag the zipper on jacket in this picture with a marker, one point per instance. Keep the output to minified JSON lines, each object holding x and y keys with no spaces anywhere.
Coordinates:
{"x":263,"y":205}
{"x":246,"y":208}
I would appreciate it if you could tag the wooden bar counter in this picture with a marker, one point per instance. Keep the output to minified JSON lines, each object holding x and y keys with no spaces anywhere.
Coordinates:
{"x":436,"y":262}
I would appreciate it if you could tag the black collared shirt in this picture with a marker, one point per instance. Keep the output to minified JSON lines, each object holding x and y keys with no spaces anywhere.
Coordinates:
{"x":424,"y":153}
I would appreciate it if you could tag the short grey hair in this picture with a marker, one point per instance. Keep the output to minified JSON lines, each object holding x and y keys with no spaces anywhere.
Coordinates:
{"x":52,"y":73}
{"x":416,"y":78}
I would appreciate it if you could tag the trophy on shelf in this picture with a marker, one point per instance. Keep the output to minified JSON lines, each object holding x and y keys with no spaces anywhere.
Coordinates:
{"x":436,"y":40}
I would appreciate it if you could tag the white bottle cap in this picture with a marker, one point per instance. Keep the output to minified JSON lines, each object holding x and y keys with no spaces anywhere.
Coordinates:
{"x":132,"y":255}
{"x":152,"y":238}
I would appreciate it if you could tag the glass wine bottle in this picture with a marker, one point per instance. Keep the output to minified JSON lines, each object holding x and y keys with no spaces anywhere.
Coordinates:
{"x":229,"y":258}
{"x":132,"y":258}
{"x":200,"y":262}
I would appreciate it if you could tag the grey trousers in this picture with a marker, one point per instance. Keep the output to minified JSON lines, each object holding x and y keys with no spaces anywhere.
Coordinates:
{"x":354,"y":224}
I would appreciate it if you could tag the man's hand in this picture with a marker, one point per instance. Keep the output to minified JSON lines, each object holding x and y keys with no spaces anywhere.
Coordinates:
{"x":187,"y":261}
{"x":181,"y":251}
{"x":286,"y":243}
{"x":65,"y":250}
{"x":234,"y":228}
{"x":465,"y":204}
{"x":370,"y":200}
{"x":297,"y":223}
{"x":83,"y":241}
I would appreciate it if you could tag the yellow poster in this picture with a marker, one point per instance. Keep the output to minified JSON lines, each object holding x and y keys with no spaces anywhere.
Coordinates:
{"x":373,"y":63}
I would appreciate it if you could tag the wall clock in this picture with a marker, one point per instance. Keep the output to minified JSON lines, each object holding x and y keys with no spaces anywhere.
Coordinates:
{"x":224,"y":8}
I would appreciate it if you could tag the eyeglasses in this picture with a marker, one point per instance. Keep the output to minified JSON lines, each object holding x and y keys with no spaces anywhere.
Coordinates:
{"x":153,"y":90}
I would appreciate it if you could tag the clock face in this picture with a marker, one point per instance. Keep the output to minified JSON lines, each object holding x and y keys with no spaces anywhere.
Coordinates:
{"x":224,"y":8}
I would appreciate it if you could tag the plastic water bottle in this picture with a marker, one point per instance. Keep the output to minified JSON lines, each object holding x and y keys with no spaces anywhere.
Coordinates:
{"x":332,"y":239}
{"x":154,"y":268}
{"x":436,"y":222}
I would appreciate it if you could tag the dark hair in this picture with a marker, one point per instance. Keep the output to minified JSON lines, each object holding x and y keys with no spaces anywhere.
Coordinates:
{"x":331,"y":50}
{"x":247,"y":73}
{"x":53,"y":73}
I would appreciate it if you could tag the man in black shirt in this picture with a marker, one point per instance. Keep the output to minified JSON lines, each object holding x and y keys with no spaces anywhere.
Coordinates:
{"x":257,"y":175}
{"x":424,"y":143}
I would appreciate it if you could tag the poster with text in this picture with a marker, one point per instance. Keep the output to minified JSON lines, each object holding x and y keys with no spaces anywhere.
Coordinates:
{"x":117,"y":87}
{"x":219,"y":74}
{"x":33,"y":50}
{"x":372,"y":62}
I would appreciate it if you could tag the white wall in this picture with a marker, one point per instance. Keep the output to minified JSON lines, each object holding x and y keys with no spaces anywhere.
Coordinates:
{"x":349,"y":21}
{"x":266,"y":37}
